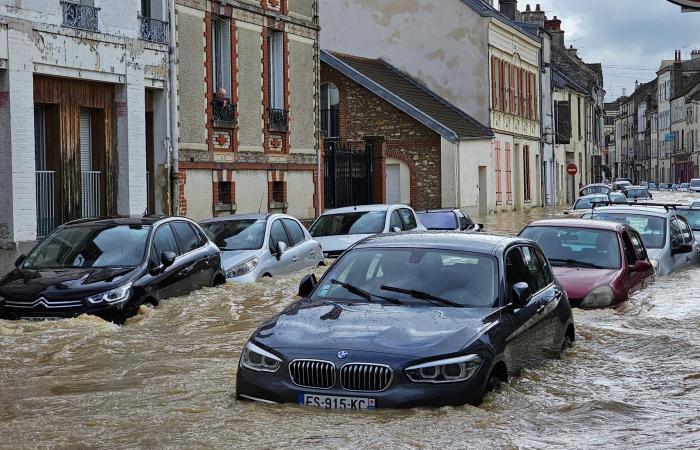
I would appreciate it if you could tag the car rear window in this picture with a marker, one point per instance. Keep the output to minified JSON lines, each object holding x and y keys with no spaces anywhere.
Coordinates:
{"x":438,"y":220}
{"x":357,"y":222}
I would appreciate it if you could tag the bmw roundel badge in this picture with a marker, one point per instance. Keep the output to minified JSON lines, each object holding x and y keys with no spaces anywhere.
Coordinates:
{"x":342,"y":354}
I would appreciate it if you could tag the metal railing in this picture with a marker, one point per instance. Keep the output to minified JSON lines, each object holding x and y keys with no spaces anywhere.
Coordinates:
{"x":76,"y":15}
{"x":90,"y":193}
{"x":149,"y":192}
{"x":279,"y":119}
{"x":223,"y":114}
{"x":153,"y":30}
{"x":45,"y":214}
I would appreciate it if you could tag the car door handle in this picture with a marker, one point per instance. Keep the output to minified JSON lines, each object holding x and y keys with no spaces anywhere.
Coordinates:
{"x":295,"y":259}
{"x":312,"y":252}
{"x":541,"y":308}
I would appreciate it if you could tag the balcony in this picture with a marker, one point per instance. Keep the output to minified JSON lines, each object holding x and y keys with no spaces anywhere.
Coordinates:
{"x":153,"y":30}
{"x":279,"y":119}
{"x":223,"y":115}
{"x":82,"y":17}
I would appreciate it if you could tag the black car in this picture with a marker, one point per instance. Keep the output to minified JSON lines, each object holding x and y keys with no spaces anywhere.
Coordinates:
{"x":109,"y":267}
{"x":413,"y":319}
{"x":447,"y":219}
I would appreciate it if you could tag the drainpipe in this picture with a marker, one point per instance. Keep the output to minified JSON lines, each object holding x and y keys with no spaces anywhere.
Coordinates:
{"x":172,"y":104}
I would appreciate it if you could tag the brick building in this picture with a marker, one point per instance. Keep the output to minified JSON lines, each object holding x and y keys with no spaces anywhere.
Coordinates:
{"x":423,"y":151}
{"x":83,"y":114}
{"x":255,"y":149}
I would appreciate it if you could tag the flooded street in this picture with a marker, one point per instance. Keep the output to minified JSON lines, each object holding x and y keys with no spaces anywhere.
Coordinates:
{"x":167,"y":379}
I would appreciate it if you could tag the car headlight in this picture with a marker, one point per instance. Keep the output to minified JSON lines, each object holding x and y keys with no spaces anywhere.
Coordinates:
{"x":242,"y":269}
{"x":449,"y":370}
{"x":655,"y":265}
{"x":259,"y":360}
{"x":113,"y":297}
{"x":598,"y":297}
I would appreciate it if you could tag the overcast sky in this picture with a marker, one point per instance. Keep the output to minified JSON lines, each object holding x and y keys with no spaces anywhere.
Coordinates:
{"x":629,"y":37}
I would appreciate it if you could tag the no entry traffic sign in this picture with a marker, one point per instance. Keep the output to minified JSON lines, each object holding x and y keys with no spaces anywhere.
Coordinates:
{"x":571,"y":169}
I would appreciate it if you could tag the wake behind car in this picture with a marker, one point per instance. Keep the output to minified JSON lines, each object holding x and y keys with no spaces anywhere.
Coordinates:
{"x":667,"y":236}
{"x":410,"y":319}
{"x":446,"y":220}
{"x":338,"y":229}
{"x":598,"y":263}
{"x":108,"y":268}
{"x":262,"y":245}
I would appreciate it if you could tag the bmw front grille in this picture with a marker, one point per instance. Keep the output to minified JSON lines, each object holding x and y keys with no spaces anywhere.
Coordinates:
{"x":312,"y":373}
{"x":365,"y":377}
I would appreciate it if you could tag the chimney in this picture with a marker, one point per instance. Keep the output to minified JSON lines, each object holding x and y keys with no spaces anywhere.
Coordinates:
{"x":537,"y":16}
{"x":572,"y":50}
{"x":677,"y":74}
{"x":695,"y":54}
{"x":554,"y":27}
{"x":509,"y":8}
{"x":636,"y":85}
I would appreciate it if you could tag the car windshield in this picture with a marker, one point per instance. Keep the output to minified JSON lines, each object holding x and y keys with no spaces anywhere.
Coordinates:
{"x":91,"y":246}
{"x":455,"y":277}
{"x":695,"y":183}
{"x":583,"y":247}
{"x":241,"y":234}
{"x":618,"y":197}
{"x":356,"y":222}
{"x":587,"y":202}
{"x":438,"y":220}
{"x":637,"y":193}
{"x":692,"y":216}
{"x":651,"y":228}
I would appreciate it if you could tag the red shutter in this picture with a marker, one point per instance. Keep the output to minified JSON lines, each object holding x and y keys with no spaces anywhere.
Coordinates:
{"x":494,"y":85}
{"x":522,"y":88}
{"x":511,"y":82}
{"x":502,"y":83}
{"x":499,"y":195}
{"x":509,"y":193}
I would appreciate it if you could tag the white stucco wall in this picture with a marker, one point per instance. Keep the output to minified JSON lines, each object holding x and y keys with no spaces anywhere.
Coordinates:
{"x":199,"y":194}
{"x":251,"y":191}
{"x":300,"y":194}
{"x":472,"y":155}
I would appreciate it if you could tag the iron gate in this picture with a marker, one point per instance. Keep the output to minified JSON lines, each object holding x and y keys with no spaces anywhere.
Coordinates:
{"x":348,"y":175}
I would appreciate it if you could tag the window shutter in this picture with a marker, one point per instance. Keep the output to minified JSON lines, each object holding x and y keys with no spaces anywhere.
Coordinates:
{"x":502,"y":85}
{"x":276,"y":44}
{"x":563,"y":122}
{"x":225,"y":58}
{"x":511,"y":83}
{"x":85,"y":141}
{"x":494,"y":84}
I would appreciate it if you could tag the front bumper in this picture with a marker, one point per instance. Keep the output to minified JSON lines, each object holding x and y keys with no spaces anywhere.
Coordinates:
{"x":250,"y":277}
{"x":402,"y":393}
{"x":107,"y":312}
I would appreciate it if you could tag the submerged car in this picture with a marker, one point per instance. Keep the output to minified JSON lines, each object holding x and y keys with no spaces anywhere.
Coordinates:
{"x":262,"y":245}
{"x":338,"y":229}
{"x":108,"y":268}
{"x":584,"y":204}
{"x":410,"y":319}
{"x":620,"y":185}
{"x":596,"y":188}
{"x":636,"y":193}
{"x":617,"y":197}
{"x":446,"y":220}
{"x":684,"y":187}
{"x":598,"y":263}
{"x":694,"y":185}
{"x":664,"y":187}
{"x":691,"y":214}
{"x":667,"y":236}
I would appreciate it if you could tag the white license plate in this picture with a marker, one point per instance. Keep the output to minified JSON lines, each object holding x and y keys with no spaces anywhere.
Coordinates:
{"x":334,"y":402}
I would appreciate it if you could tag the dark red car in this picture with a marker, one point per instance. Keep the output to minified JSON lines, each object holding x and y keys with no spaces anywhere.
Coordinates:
{"x":599,"y":263}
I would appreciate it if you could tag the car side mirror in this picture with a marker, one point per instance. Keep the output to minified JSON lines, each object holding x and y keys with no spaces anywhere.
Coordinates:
{"x":677,"y":248}
{"x":521,"y":294}
{"x":396,"y":230}
{"x":307,"y":285}
{"x":281,"y":249}
{"x":167,"y":259}
{"x":20,"y":260}
{"x":641,"y":266}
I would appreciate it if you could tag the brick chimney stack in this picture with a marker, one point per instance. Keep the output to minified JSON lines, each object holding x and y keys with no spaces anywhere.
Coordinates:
{"x":554,"y":27}
{"x":509,"y":8}
{"x":677,"y":73}
{"x":537,"y":16}
{"x":695,"y":54}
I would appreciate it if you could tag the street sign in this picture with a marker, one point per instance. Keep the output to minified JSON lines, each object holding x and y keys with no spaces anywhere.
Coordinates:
{"x":691,"y":4}
{"x":571,"y":169}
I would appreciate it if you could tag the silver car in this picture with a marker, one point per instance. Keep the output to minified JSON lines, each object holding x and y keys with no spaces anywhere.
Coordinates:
{"x":262,"y":245}
{"x":338,"y":229}
{"x":668,"y":237}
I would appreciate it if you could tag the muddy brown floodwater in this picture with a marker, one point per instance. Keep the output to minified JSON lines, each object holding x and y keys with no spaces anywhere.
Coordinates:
{"x":167,"y":379}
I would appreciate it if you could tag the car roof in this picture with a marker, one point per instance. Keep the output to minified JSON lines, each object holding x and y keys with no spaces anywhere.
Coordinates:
{"x":658,"y":211}
{"x":596,"y":195}
{"x":629,"y":188}
{"x":436,"y":210}
{"x":251,"y":216}
{"x":579,"y":223}
{"x":362,"y":208}
{"x":595,"y":184}
{"x":449,"y":240}
{"x":121,"y":220}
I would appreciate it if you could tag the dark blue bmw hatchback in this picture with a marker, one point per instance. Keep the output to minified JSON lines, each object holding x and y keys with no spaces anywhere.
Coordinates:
{"x":404,"y":320}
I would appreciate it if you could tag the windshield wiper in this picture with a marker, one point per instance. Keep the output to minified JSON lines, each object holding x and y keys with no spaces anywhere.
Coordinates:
{"x":421,"y":295}
{"x":362,"y":293}
{"x":573,"y":262}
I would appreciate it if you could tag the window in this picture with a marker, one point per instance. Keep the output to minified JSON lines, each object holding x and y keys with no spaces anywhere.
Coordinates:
{"x":516,"y":272}
{"x":687,"y":233}
{"x":577,"y":247}
{"x":526,"y":173}
{"x":395,"y":221}
{"x":163,"y":241}
{"x":676,"y":233}
{"x":464,"y":221}
{"x":408,"y":219}
{"x":579,"y":117}
{"x":188,"y":240}
{"x":278,"y":191}
{"x":277,"y":234}
{"x":562,"y":113}
{"x":224,"y":190}
{"x":628,"y":246}
{"x":639,"y":250}
{"x":221,"y":55}
{"x":230,"y":235}
{"x":532,"y":263}
{"x":360,"y":222}
{"x":276,"y":75}
{"x":330,"y":100}
{"x":296,"y":234}
{"x":546,"y":269}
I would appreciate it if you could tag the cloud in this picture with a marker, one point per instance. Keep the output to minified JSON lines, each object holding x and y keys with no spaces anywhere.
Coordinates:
{"x":629,"y":37}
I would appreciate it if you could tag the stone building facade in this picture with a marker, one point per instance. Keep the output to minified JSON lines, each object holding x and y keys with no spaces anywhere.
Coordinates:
{"x":83,"y":114}
{"x":257,"y":149}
